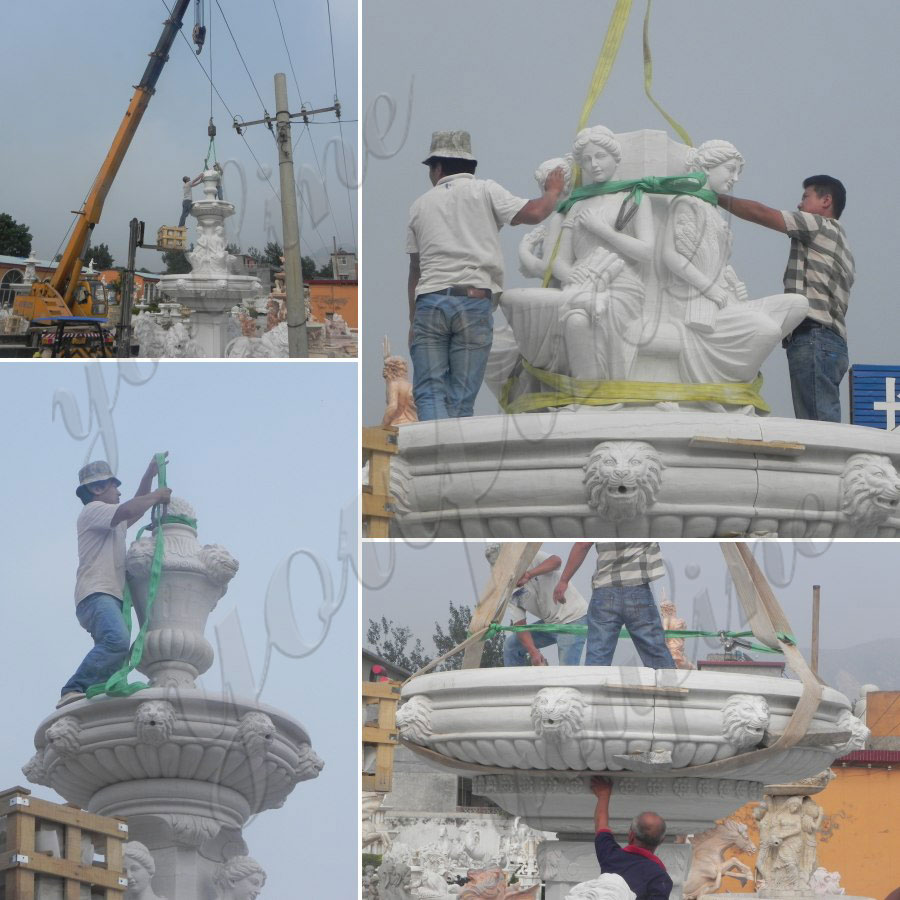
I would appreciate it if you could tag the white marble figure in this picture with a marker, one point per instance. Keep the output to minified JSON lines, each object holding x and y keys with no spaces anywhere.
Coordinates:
{"x":139,"y":871}
{"x":240,"y":878}
{"x":726,"y":337}
{"x":608,"y":886}
{"x":859,"y":707}
{"x":824,"y":882}
{"x":536,"y":248}
{"x":787,"y":842}
{"x":371,"y":832}
{"x":709,"y":866}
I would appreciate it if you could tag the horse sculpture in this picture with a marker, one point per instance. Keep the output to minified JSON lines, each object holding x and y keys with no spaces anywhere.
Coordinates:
{"x":709,"y":865}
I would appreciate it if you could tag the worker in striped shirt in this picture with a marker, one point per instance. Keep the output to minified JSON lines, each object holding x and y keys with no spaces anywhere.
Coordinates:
{"x":621,"y":596}
{"x":821,"y":268}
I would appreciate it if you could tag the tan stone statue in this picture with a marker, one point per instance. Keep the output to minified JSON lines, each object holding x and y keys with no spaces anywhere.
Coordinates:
{"x":490,"y":884}
{"x":787,"y":842}
{"x":241,"y":878}
{"x":401,"y":407}
{"x":671,"y":622}
{"x":139,"y":870}
{"x":708,"y":864}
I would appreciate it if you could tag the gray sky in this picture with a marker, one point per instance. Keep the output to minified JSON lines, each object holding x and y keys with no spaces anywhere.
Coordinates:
{"x":249,"y":450}
{"x":801,"y":88}
{"x":62,"y":112}
{"x":413,"y":584}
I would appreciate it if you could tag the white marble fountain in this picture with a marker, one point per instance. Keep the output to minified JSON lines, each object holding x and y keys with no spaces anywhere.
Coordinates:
{"x":633,"y":407}
{"x":186,"y":767}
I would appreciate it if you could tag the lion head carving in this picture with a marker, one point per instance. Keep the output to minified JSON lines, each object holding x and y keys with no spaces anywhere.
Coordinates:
{"x":745,"y":718}
{"x":256,"y":732}
{"x":64,"y":736}
{"x":414,"y":720}
{"x":870,"y":490}
{"x":557,"y":713}
{"x":622,"y":479}
{"x":154,"y":722}
{"x":308,"y":765}
{"x":220,"y":565}
{"x":858,"y":730}
{"x":35,"y":770}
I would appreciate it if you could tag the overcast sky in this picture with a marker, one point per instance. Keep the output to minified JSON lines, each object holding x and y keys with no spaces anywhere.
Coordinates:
{"x":414,"y":584}
{"x":801,"y":87}
{"x":70,"y":68}
{"x":250,"y":450}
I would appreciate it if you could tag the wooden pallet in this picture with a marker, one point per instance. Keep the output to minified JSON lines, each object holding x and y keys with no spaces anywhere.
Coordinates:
{"x":23,"y":867}
{"x":382,"y":736}
{"x":378,"y":446}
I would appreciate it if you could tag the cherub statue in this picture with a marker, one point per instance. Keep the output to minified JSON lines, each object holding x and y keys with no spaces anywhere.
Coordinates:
{"x":671,"y":622}
{"x":139,"y":871}
{"x":400,"y":405}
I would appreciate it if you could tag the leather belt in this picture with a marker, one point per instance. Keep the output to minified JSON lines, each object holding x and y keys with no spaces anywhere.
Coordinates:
{"x":462,"y":290}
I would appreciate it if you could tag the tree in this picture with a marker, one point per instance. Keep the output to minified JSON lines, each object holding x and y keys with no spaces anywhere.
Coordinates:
{"x":176,"y":262}
{"x":325,"y":271}
{"x":100,"y":254}
{"x":233,"y":249}
{"x":390,"y":641}
{"x":255,"y":254}
{"x":457,"y":632}
{"x":272,"y":254}
{"x":308,"y":265}
{"x":15,"y":238}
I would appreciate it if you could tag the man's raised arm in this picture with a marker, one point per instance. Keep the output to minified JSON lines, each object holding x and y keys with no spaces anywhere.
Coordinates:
{"x":535,"y":211}
{"x":752,"y":211}
{"x":601,"y":788}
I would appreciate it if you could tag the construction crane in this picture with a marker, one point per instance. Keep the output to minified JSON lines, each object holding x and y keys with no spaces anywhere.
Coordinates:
{"x":66,"y":294}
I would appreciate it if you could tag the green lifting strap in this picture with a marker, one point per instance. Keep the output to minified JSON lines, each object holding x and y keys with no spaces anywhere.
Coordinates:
{"x":495,"y":629}
{"x":693,"y":184}
{"x":117,"y":685}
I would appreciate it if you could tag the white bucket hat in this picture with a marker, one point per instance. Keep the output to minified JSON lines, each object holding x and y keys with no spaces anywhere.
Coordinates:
{"x":450,"y":145}
{"x":94,"y":472}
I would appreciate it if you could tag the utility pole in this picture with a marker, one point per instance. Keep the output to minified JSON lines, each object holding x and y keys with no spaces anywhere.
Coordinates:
{"x":814,"y":652}
{"x":298,"y":343}
{"x":135,"y":240}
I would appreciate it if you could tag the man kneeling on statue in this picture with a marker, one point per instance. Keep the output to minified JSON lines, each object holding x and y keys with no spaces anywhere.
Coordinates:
{"x":534,"y":595}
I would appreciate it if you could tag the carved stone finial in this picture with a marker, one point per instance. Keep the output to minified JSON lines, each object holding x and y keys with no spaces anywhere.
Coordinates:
{"x":622,"y":479}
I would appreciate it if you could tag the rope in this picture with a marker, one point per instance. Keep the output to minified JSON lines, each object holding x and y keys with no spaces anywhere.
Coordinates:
{"x":648,"y":80}
{"x":117,"y":685}
{"x":495,"y":629}
{"x":567,"y":390}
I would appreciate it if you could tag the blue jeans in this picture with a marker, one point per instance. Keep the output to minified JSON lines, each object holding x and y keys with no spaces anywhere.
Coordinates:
{"x":633,"y":607}
{"x":185,"y":209}
{"x":568,"y":646}
{"x":101,"y":616}
{"x":817,"y":360}
{"x":451,"y":342}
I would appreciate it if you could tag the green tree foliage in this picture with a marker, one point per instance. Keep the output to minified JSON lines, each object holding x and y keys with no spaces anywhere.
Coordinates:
{"x":255,"y":254}
{"x":234,"y":250}
{"x":390,"y":642}
{"x":457,"y":632}
{"x":15,"y":238}
{"x":325,"y":271}
{"x":272,"y":254}
{"x":176,"y":262}
{"x":100,"y":255}
{"x":309,"y":267}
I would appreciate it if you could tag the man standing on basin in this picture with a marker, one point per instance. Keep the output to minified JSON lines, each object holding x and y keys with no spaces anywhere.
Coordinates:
{"x":621,"y":596}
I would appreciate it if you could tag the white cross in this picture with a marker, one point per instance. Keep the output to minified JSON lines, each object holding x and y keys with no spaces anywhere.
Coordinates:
{"x":890,"y":403}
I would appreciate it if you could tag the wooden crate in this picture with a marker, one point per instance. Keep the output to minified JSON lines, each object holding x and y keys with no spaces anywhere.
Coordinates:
{"x":378,"y":446}
{"x":380,"y":736}
{"x":172,"y":237}
{"x":27,"y":873}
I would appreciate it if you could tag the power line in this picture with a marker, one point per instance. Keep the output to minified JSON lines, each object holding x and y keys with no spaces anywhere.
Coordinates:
{"x":241,"y":55}
{"x":340,"y":125}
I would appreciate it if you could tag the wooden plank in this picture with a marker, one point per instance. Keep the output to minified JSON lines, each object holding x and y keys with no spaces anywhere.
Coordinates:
{"x":19,"y":884}
{"x":73,"y":854}
{"x":373,"y":735}
{"x":384,"y":768}
{"x":389,"y":690}
{"x":64,"y":868}
{"x":374,"y":506}
{"x":72,"y":815}
{"x":746,"y":445}
{"x":512,"y":562}
{"x":381,"y":438}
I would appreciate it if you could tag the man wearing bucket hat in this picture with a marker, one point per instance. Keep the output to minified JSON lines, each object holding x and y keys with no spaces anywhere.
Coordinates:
{"x":455,"y":271}
{"x":100,"y":582}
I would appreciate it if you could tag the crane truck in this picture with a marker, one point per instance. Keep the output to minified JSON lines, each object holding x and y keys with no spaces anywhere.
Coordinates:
{"x":67,"y":295}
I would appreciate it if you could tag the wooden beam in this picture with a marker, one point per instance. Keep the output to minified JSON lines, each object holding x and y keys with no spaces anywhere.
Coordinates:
{"x":745,"y":445}
{"x":512,"y":562}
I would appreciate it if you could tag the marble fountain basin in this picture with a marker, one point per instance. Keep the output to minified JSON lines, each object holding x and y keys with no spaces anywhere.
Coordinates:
{"x":589,"y":472}
{"x":531,"y":737}
{"x":237,"y":756}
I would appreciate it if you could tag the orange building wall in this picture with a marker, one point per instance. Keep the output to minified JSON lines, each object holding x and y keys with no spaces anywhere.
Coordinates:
{"x":334,"y":297}
{"x":860,"y":834}
{"x":883,"y":713}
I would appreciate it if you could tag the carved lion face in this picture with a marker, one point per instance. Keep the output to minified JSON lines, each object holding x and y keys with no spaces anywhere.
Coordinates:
{"x":622,"y":478}
{"x":557,"y":713}
{"x":745,"y":718}
{"x":870,"y":489}
{"x":414,"y":719}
